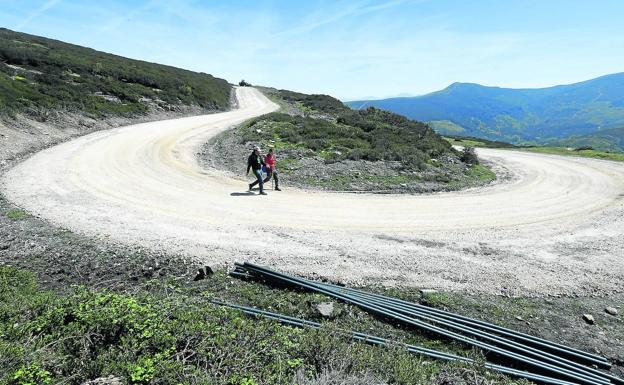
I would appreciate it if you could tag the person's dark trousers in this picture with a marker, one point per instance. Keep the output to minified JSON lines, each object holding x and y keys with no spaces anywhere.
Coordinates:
{"x":274,"y":174}
{"x":259,"y":181}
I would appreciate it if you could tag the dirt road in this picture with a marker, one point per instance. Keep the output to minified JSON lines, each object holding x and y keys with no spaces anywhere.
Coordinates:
{"x":556,"y":227}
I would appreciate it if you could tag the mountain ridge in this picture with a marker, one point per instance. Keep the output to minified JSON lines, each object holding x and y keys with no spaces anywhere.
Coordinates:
{"x":518,"y":115}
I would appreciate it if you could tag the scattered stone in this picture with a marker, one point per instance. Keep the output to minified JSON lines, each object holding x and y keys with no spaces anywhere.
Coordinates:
{"x":4,"y":246}
{"x":428,"y":291}
{"x":110,"y":380}
{"x":611,"y":310}
{"x":326,"y":309}
{"x":589,"y":319}
{"x":201,"y":274}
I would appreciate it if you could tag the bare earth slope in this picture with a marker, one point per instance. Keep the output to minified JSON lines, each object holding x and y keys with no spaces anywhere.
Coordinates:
{"x":555,"y":228}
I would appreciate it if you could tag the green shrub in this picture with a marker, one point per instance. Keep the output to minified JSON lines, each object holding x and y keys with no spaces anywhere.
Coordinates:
{"x":16,"y":214}
{"x":168,"y":338}
{"x":322,"y":103}
{"x":31,"y":375}
{"x":469,"y":156}
{"x":371,"y":135}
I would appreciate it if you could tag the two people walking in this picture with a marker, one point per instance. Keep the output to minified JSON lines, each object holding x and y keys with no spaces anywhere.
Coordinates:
{"x":257,"y":163}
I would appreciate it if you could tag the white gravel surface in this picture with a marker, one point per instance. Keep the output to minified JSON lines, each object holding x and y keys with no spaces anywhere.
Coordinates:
{"x":556,"y":226}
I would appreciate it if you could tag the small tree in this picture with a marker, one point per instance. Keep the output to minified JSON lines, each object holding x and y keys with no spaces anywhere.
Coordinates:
{"x":469,"y":156}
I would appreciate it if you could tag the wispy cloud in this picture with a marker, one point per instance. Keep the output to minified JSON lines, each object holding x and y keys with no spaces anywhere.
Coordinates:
{"x":354,"y":9}
{"x":122,"y":18}
{"x":347,"y":48}
{"x":38,"y":12}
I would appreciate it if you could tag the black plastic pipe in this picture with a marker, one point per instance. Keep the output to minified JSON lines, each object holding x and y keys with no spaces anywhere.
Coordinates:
{"x":582,"y":378}
{"x":374,"y":340}
{"x":501,"y":341}
{"x":527,"y":338}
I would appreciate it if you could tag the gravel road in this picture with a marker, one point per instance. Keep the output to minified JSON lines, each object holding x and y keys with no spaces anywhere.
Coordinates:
{"x":555,"y":227}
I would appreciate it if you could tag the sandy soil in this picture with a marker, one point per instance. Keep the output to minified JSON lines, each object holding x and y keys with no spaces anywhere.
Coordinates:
{"x":555,"y":228}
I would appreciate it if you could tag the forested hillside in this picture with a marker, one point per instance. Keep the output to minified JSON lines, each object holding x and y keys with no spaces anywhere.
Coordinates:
{"x":607,"y":140}
{"x":516,"y":115}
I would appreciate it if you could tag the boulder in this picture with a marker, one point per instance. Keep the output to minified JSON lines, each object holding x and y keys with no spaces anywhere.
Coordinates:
{"x":589,"y":319}
{"x":325,"y":309}
{"x":110,"y":380}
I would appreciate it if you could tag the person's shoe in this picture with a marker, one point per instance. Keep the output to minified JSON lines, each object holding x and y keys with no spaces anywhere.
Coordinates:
{"x":262,"y":193}
{"x":278,"y":189}
{"x":250,"y":186}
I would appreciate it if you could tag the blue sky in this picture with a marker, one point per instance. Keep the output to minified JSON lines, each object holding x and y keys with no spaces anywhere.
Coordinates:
{"x":349,"y":49}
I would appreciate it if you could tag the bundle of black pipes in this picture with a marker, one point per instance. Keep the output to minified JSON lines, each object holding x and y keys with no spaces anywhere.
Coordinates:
{"x":374,"y":340}
{"x":539,"y":355}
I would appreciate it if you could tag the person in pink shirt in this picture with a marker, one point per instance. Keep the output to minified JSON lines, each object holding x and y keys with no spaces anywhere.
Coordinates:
{"x":269,"y":159}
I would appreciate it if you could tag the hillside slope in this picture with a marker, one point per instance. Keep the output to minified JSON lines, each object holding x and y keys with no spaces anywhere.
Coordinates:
{"x":51,"y":91}
{"x":37,"y":73}
{"x":606,"y":140}
{"x":321,"y":144}
{"x":516,"y":115}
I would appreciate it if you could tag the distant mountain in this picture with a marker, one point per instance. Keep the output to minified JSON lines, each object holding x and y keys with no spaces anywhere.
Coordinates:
{"x":607,"y":140}
{"x":516,"y":115}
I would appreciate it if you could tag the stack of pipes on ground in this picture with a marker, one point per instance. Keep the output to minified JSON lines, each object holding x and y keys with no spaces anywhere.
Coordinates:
{"x":541,"y":360}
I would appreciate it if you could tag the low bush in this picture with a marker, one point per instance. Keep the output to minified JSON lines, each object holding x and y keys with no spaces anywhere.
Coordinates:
{"x":371,"y":135}
{"x":469,"y":156}
{"x":320,"y":103}
{"x":168,"y":337}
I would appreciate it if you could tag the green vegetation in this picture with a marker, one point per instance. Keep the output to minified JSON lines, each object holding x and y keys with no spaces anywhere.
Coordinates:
{"x":39,"y":75}
{"x":321,"y":144}
{"x":321,"y":103}
{"x":447,"y":127}
{"x":469,"y":156}
{"x":371,"y":135}
{"x":586,"y":153}
{"x":16,"y":214}
{"x":343,"y":182}
{"x":480,"y":172}
{"x":164,"y":334}
{"x":611,"y":140}
{"x":470,"y":141}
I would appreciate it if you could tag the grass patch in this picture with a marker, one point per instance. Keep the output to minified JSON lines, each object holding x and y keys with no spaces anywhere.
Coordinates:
{"x":393,"y":180}
{"x":288,"y":164}
{"x":574,"y":152}
{"x":436,"y":299}
{"x":469,"y":141}
{"x":480,"y":173}
{"x":343,"y":182}
{"x":567,"y":151}
{"x":16,"y":214}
